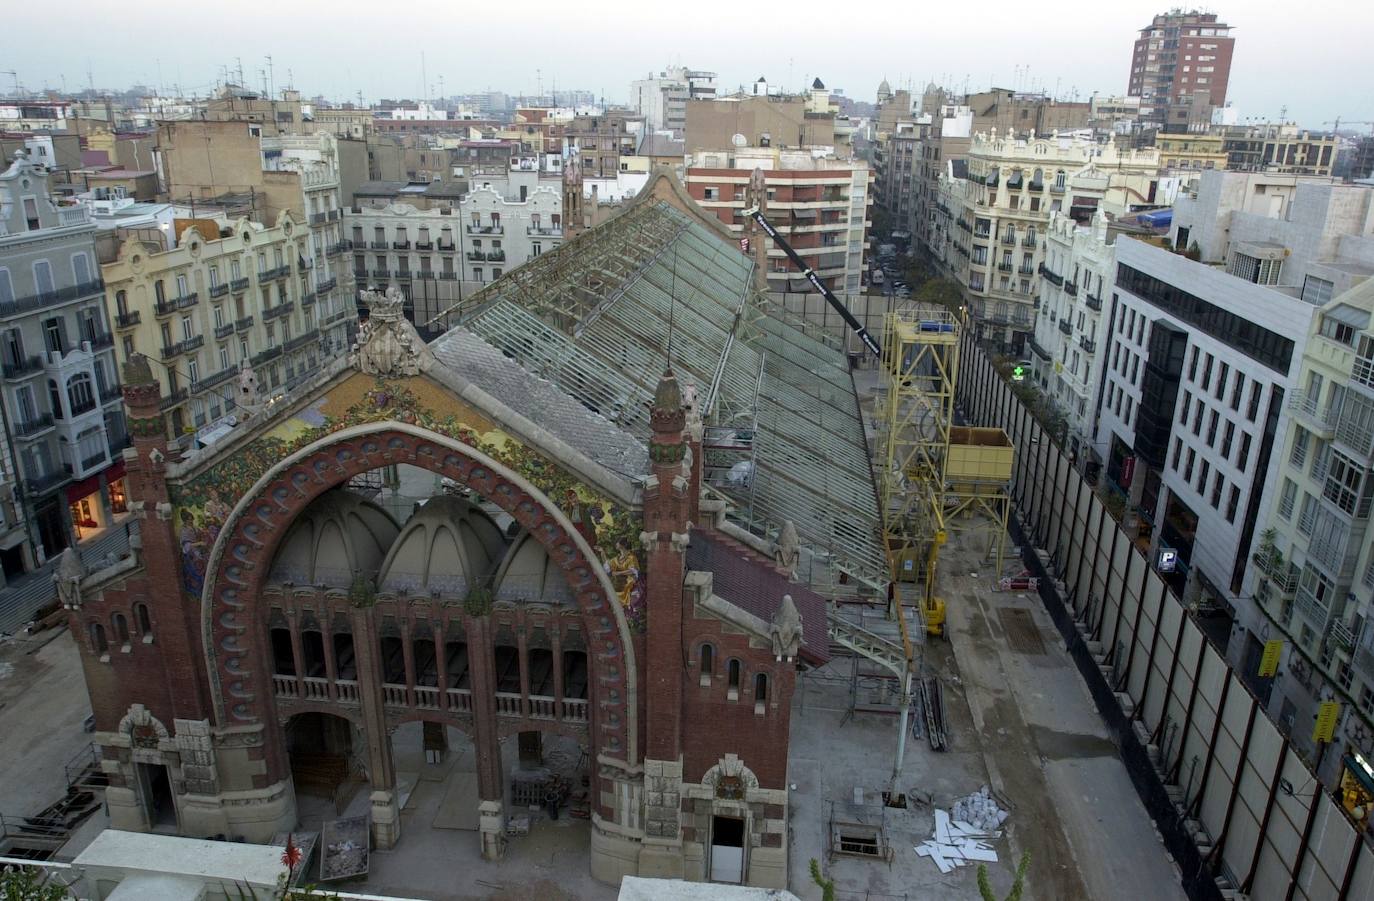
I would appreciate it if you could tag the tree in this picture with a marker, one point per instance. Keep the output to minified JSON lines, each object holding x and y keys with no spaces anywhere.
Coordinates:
{"x":827,"y":885}
{"x":941,"y":292}
{"x":1017,"y":884}
{"x":29,"y":884}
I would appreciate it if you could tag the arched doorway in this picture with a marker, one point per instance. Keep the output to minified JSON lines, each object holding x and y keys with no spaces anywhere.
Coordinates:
{"x":326,"y":768}
{"x":392,"y":634}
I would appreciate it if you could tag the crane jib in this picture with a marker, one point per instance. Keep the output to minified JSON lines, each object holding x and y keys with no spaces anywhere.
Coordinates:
{"x":816,"y":282}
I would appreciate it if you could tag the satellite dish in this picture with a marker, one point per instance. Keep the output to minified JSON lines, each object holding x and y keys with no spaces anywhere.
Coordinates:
{"x":739,"y":140}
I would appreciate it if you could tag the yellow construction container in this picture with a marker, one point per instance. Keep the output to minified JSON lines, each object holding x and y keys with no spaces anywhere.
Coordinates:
{"x":978,"y":455}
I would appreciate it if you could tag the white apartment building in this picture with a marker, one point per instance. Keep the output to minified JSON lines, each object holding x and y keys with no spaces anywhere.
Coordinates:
{"x":1200,"y":367}
{"x":1313,"y":578}
{"x":440,"y":255}
{"x":662,"y":99}
{"x":1077,"y":276}
{"x":999,"y":203}
{"x":61,"y":474}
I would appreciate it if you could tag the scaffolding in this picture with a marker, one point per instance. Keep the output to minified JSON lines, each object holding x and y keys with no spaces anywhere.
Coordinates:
{"x":935,"y":477}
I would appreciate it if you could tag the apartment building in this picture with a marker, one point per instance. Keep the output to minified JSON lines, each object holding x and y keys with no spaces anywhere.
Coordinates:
{"x":1187,"y":153}
{"x":218,"y":302}
{"x":780,"y":121}
{"x":1199,"y":369}
{"x":301,"y":175}
{"x":897,"y":162}
{"x":662,"y":99}
{"x":820,"y":205}
{"x":1281,"y":147}
{"x":62,"y":479}
{"x":1180,"y":69}
{"x":997,"y":211}
{"x":1077,"y":276}
{"x":440,"y":253}
{"x":1310,"y":236}
{"x":601,"y":140}
{"x":1312,"y":582}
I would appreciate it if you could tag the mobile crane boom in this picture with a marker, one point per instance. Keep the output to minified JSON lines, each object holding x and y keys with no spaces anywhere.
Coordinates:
{"x":838,"y":305}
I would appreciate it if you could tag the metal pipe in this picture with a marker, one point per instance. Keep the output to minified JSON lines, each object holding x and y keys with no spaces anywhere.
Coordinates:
{"x":901,"y":728}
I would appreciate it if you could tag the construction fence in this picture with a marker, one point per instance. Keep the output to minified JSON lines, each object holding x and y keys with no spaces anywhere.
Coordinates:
{"x":1241,"y":812}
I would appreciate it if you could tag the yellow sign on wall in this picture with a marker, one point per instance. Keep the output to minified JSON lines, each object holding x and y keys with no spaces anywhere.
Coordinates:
{"x":1269,"y":663}
{"x":1327,"y":714}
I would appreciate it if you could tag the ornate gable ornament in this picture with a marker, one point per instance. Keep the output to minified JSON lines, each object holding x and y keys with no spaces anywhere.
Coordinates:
{"x":388,"y":345}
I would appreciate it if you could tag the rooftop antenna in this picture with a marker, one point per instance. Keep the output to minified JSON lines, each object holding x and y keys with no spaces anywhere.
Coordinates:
{"x":424,"y":78}
{"x":271,"y":79}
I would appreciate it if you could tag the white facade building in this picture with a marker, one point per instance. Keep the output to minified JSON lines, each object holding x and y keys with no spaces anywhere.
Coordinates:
{"x":1077,"y":275}
{"x":1199,"y":369}
{"x":662,"y":99}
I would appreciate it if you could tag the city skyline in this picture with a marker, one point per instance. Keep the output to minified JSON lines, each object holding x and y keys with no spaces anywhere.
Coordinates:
{"x":906,"y":49}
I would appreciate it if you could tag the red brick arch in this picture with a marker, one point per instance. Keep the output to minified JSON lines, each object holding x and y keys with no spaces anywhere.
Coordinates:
{"x":238,"y":566}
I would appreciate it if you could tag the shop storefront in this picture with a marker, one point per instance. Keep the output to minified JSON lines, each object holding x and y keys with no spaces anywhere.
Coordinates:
{"x":1357,"y":788}
{"x":96,"y":502}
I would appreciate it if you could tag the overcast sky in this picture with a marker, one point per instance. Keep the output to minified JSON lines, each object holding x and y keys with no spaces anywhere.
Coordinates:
{"x":1318,"y":67}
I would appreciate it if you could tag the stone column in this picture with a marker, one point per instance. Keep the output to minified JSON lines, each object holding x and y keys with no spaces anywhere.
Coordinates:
{"x":293,"y":625}
{"x":408,"y":659}
{"x":441,"y":664}
{"x":331,"y":666}
{"x":386,"y":812}
{"x":522,"y":647}
{"x":490,"y":790}
{"x":556,"y":646}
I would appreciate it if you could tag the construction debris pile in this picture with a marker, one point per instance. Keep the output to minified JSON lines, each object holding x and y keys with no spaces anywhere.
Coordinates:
{"x":963,"y":834}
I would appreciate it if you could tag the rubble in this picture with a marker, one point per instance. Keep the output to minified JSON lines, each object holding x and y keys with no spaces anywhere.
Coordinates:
{"x":963,"y":834}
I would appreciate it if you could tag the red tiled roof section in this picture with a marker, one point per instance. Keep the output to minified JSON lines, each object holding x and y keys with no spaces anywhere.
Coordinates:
{"x":750,"y":581}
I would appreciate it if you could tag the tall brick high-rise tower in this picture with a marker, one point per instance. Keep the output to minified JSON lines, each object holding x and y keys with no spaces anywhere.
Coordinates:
{"x":1180,"y":68}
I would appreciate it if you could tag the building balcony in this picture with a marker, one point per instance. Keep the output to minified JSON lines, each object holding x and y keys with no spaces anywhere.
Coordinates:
{"x":275,"y":273}
{"x":496,"y":256}
{"x":101,"y":341}
{"x":281,"y":309}
{"x":1088,"y":345}
{"x":333,"y":215}
{"x":424,"y":245}
{"x":544,"y":231}
{"x":1321,"y":420}
{"x":1065,"y":326}
{"x":400,"y":245}
{"x":334,"y":250}
{"x":1280,"y":572}
{"x":326,"y":286}
{"x":129,"y":319}
{"x":983,"y":234}
{"x":1094,"y":302}
{"x":176,"y":398}
{"x":318,"y":218}
{"x":49,"y":298}
{"x":1009,"y":240}
{"x":1028,"y":242}
{"x":219,"y":290}
{"x":1026,"y":270}
{"x":1038,"y":350}
{"x":242,"y":325}
{"x":47,"y":482}
{"x":32,"y":428}
{"x":379,"y":245}
{"x":224,"y":331}
{"x":1005,"y":267}
{"x":403,"y":273}
{"x":447,"y":247}
{"x":111,"y":393}
{"x":448,"y":276}
{"x":301,"y":340}
{"x":175,"y":350}
{"x":381,"y":273}
{"x":168,"y":307}
{"x":239,"y":285}
{"x":476,"y":256}
{"x":22,"y":368}
{"x":267,"y":356}
{"x":1056,"y":189}
{"x":485,"y":229}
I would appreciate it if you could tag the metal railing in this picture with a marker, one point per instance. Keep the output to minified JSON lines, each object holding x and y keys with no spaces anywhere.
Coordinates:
{"x":281,"y":309}
{"x":27,"y":427}
{"x":219,"y":290}
{"x":485,"y":229}
{"x":239,"y":285}
{"x":22,"y":368}
{"x":182,"y":347}
{"x":129,"y":319}
{"x":275,"y":272}
{"x":48,"y":298}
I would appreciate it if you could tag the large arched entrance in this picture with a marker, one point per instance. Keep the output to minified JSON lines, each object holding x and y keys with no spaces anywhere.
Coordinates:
{"x":449,"y":649}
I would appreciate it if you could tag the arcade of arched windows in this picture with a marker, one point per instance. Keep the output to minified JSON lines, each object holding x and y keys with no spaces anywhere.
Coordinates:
{"x":425,"y":654}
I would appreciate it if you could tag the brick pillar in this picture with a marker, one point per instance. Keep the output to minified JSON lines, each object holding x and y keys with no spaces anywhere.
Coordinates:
{"x":178,"y":620}
{"x":667,"y":518}
{"x":331,"y":666}
{"x":381,"y":768}
{"x":482,"y":668}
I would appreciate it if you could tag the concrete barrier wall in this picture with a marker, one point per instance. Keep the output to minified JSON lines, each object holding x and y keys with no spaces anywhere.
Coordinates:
{"x":1200,"y":748}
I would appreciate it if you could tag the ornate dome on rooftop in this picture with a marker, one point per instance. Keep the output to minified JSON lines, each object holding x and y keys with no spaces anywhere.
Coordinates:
{"x":338,"y":536}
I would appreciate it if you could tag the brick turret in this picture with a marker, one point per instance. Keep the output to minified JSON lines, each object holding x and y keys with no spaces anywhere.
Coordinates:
{"x":178,"y":642}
